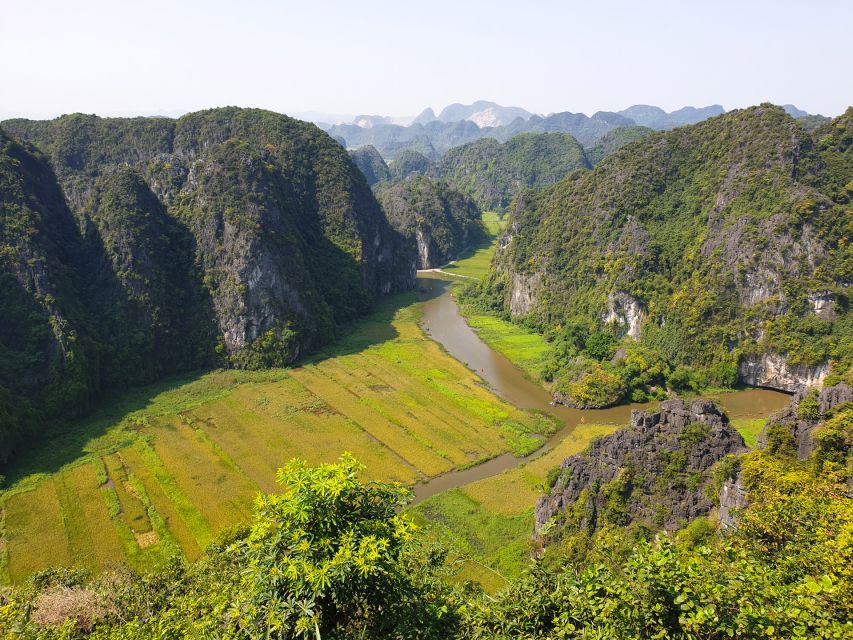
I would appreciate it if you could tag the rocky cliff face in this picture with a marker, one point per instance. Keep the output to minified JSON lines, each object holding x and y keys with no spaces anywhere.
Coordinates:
{"x":733,"y":498}
{"x":808,"y":408}
{"x":774,"y":371}
{"x":439,"y":221}
{"x":43,"y":281}
{"x":723,"y":234}
{"x":653,"y":471}
{"x":240,"y":231}
{"x":624,"y":311}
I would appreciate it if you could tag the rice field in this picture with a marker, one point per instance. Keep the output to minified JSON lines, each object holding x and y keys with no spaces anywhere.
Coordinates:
{"x":475,"y":262}
{"x":163,"y":470}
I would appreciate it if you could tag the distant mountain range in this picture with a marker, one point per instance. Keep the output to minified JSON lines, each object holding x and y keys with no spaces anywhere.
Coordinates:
{"x":457,"y":124}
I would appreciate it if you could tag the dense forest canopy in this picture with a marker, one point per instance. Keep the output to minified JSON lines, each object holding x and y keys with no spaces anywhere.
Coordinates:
{"x":439,"y":219}
{"x":493,"y":174}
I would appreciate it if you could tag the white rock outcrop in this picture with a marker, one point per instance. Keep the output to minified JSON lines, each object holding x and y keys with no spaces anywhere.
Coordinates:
{"x":523,"y":293}
{"x":774,"y":371}
{"x":625,"y":309}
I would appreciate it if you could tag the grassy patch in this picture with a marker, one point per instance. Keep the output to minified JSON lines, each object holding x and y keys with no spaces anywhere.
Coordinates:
{"x":525,"y":349}
{"x":749,"y":428}
{"x":475,"y":262}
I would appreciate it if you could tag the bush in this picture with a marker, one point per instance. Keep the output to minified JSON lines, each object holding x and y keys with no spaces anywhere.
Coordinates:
{"x":590,"y":385}
{"x":326,"y":556}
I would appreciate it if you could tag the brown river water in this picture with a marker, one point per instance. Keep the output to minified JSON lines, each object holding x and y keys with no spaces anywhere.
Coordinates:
{"x":443,"y":323}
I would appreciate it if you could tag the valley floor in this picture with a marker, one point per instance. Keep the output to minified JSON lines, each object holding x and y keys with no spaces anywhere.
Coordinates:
{"x":165,"y":469}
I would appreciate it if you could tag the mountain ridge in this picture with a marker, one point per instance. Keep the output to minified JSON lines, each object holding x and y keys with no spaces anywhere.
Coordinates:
{"x":228,"y":236}
{"x":661,"y":245}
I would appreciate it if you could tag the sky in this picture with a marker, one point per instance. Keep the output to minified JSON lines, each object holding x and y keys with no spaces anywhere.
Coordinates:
{"x":124,"y":57}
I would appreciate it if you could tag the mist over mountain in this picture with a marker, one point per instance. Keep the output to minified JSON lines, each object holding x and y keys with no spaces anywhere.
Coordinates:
{"x":458,"y":124}
{"x":656,"y":118}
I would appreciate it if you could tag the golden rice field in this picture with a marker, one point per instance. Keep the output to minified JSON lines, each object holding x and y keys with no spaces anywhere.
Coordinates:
{"x":163,"y":470}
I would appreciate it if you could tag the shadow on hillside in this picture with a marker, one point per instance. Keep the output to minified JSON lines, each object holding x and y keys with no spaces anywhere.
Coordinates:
{"x":485,"y":243}
{"x":62,"y":443}
{"x":378,"y":326}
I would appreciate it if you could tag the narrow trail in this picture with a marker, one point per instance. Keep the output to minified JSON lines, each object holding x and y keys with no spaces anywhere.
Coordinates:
{"x":445,"y":273}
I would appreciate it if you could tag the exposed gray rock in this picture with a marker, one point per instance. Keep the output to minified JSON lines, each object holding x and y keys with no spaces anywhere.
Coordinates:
{"x":523,"y":293}
{"x":423,"y":238}
{"x":823,"y":305}
{"x":662,"y":457}
{"x":773,"y":370}
{"x":733,"y":498}
{"x":801,"y":425}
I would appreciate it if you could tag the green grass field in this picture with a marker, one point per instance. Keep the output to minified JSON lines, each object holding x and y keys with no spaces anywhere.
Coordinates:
{"x":524,"y":348}
{"x":488,"y":523}
{"x":164,"y":469}
{"x":749,"y":428}
{"x":476,"y":261}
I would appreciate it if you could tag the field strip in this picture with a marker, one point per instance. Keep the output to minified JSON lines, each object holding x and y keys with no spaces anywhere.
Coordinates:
{"x":80,"y":545}
{"x":221,"y":494}
{"x":389,"y":435}
{"x":370,"y":413}
{"x":391,"y":405}
{"x":26,"y":515}
{"x":462,"y":423}
{"x":188,"y":528}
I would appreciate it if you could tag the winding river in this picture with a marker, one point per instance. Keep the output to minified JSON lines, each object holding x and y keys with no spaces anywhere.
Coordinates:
{"x":443,"y":323}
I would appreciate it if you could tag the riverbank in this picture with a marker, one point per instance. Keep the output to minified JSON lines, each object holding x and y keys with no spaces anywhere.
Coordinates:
{"x":485,"y":513}
{"x":163,"y":469}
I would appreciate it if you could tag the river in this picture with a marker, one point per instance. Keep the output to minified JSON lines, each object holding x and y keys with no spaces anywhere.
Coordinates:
{"x":443,"y":323}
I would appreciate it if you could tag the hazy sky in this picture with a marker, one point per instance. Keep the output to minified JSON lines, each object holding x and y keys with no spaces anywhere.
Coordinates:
{"x":118,"y":57}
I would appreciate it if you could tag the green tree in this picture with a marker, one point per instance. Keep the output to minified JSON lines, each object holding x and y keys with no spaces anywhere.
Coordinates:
{"x":325,"y":557}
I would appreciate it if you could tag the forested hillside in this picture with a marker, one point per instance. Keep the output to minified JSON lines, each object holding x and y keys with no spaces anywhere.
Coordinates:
{"x":371,"y":164}
{"x":493,"y":173}
{"x":135,"y":248}
{"x":441,"y":221}
{"x":407,"y":163}
{"x":708,"y":255}
{"x":614,"y":140}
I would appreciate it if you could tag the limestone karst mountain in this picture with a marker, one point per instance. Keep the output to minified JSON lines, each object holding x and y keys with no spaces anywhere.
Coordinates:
{"x":138,"y":247}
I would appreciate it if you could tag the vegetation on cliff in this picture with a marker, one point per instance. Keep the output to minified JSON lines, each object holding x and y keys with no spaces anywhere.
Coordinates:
{"x":370,"y":163}
{"x":682,"y":252}
{"x":615,"y":140}
{"x":493,"y":173}
{"x":438,"y":219}
{"x":407,"y":163}
{"x":134,"y":248}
